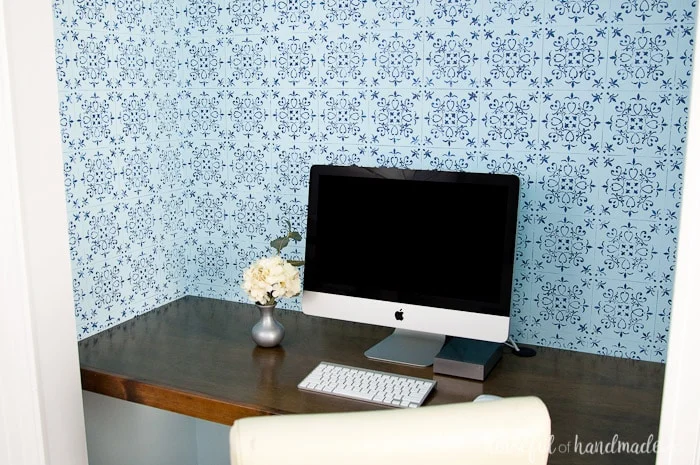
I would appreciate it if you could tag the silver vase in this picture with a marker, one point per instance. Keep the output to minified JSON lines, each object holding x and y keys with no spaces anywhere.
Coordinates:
{"x":267,"y":332}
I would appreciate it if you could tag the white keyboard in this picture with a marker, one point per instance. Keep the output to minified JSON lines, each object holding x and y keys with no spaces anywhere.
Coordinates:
{"x":367,"y":385}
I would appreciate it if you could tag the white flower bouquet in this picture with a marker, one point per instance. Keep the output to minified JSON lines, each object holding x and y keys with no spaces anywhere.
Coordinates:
{"x":270,"y":278}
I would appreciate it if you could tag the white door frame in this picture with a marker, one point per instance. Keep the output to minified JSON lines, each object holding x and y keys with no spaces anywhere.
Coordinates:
{"x":41,"y":411}
{"x":679,"y":431}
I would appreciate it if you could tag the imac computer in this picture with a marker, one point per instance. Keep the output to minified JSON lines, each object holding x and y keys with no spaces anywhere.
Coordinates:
{"x":429,"y":253}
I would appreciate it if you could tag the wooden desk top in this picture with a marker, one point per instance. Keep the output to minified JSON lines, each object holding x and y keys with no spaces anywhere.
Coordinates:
{"x":195,"y":357}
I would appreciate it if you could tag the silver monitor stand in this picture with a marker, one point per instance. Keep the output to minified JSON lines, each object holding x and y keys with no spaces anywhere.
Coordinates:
{"x":408,"y":348}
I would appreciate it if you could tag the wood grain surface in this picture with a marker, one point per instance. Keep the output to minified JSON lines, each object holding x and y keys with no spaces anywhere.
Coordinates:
{"x":195,"y":356}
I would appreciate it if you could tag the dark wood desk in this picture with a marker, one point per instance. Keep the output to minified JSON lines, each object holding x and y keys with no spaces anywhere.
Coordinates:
{"x":195,"y":357}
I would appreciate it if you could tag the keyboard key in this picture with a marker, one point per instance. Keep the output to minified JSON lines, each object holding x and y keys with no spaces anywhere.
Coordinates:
{"x":353,"y":394}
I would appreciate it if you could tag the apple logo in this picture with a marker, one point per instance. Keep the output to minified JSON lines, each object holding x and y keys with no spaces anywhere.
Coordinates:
{"x":399,"y":315}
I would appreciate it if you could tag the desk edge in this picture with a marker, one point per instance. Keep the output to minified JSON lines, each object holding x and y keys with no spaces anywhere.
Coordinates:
{"x":168,"y":398}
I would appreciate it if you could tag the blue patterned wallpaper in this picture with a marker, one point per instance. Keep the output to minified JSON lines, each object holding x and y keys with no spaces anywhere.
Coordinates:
{"x":199,"y":119}
{"x":117,"y":65}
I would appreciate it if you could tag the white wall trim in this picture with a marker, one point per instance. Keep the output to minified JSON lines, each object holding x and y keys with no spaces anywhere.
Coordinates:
{"x":41,"y":413}
{"x":679,"y":433}
{"x":21,"y":435}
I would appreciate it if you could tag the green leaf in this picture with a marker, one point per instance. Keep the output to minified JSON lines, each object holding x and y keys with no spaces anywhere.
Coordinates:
{"x":296,"y":263}
{"x":280,"y":243}
{"x":295,"y":235}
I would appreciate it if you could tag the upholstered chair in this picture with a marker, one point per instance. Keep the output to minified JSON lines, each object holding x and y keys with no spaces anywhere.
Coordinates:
{"x":508,"y":431}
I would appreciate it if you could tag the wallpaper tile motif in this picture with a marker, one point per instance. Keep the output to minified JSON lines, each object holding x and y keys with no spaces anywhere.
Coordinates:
{"x":585,"y":101}
{"x":189,"y":127}
{"x":117,"y":67}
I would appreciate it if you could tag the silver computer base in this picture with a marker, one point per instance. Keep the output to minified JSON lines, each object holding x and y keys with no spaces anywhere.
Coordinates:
{"x":408,"y":348}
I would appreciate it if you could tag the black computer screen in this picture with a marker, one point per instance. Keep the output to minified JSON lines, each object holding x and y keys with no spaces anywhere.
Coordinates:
{"x":418,"y":237}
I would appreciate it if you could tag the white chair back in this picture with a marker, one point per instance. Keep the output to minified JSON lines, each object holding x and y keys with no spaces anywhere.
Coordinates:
{"x":502,"y":432}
